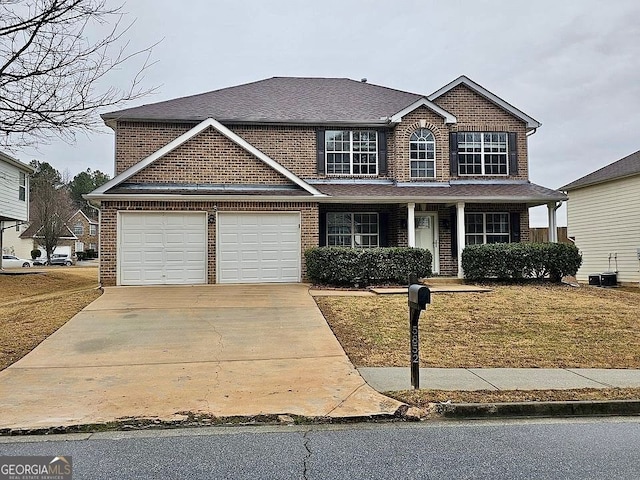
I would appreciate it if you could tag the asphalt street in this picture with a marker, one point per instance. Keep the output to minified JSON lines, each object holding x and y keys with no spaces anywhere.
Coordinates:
{"x":520,"y":449}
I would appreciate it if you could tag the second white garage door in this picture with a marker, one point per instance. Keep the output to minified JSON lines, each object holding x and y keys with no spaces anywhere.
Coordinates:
{"x":158,"y":248}
{"x":258,"y":247}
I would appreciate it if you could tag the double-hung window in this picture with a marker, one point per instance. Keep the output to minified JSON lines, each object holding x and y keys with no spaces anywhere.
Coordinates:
{"x":78,"y":229}
{"x":357,"y":230}
{"x":483,"y":228}
{"x":483,"y":153}
{"x":93,"y":229}
{"x":22,"y":187}
{"x":422,"y":154}
{"x":351,"y":152}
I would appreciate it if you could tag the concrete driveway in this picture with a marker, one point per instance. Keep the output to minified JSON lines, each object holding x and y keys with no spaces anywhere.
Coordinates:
{"x":158,"y":352}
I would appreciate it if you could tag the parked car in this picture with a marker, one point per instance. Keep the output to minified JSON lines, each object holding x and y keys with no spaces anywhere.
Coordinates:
{"x":11,"y":261}
{"x":61,"y":259}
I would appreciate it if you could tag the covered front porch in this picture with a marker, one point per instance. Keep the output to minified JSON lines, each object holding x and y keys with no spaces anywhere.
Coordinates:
{"x":442,"y":228}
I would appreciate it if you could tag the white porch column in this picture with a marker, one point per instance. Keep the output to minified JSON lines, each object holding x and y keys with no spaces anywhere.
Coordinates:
{"x":553,"y":227}
{"x":461,"y":236}
{"x":411,"y":224}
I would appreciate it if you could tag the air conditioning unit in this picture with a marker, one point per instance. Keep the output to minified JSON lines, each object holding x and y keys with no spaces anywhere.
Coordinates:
{"x":609,"y":279}
{"x":594,"y":279}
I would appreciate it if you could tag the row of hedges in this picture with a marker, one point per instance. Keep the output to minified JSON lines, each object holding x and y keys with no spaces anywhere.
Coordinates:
{"x":507,"y":261}
{"x":87,"y":254}
{"x":370,"y":266}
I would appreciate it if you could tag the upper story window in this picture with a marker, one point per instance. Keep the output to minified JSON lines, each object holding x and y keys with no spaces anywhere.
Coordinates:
{"x":483,"y":228}
{"x":351,"y":152}
{"x":78,"y":229}
{"x":356,"y":230}
{"x":22,"y":187}
{"x":93,"y":229}
{"x":483,"y":153}
{"x":422,"y":154}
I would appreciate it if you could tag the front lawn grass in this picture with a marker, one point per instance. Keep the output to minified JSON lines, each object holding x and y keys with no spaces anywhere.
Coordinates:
{"x":515,"y":326}
{"x":422,"y":398}
{"x":34,"y":305}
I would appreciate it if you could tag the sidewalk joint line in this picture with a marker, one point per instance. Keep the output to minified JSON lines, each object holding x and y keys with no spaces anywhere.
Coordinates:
{"x":590,"y":379}
{"x":483,"y":379}
{"x":40,"y":367}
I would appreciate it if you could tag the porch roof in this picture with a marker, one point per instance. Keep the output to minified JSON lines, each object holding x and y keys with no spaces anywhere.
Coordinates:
{"x":440,"y":192}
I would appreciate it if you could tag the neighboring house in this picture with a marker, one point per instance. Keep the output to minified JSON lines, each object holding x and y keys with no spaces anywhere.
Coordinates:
{"x":603,"y":216}
{"x":13,"y":244}
{"x":66,"y":243}
{"x":14,"y":199}
{"x":232,"y":186}
{"x":86,"y":230}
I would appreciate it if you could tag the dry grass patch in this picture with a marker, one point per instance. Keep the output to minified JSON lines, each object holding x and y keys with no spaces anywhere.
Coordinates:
{"x":33,"y":306}
{"x":421,"y":398}
{"x":544,"y":326}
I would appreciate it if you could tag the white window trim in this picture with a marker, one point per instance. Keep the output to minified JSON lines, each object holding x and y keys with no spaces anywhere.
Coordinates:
{"x":75,"y":227}
{"x":22,"y":187}
{"x":353,"y":234}
{"x":484,"y":226}
{"x":482,"y":153}
{"x":93,"y":229}
{"x":435,"y":163}
{"x":327,"y":152}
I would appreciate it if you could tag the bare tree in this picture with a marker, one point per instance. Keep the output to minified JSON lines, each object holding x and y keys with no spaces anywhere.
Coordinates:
{"x":53,"y":71}
{"x":50,"y":206}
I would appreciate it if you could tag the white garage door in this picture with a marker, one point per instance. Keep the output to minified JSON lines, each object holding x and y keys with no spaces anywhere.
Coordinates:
{"x":158,"y":248}
{"x":258,"y":247}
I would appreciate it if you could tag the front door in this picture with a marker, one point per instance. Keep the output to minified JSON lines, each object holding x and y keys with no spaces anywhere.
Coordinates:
{"x":427,"y":236}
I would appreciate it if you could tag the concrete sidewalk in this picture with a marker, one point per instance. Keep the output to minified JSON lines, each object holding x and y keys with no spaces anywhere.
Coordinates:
{"x":386,"y":379}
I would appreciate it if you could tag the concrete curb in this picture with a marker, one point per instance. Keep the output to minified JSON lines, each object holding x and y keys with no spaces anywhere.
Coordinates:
{"x":582,"y":408}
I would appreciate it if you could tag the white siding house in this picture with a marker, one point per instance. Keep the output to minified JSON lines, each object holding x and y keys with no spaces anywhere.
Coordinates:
{"x":14,"y":189}
{"x":603,"y":215}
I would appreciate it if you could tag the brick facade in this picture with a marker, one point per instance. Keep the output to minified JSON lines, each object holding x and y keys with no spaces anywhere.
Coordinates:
{"x":85,"y":237}
{"x":109,"y":234}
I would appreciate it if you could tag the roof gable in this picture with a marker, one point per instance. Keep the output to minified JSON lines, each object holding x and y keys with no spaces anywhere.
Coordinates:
{"x":531,"y":122}
{"x":80,"y":212}
{"x":158,"y":154}
{"x":33,"y":230}
{"x":625,"y":167}
{"x":423,"y":102}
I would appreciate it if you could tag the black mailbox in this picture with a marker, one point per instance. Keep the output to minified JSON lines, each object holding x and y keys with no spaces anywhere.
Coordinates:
{"x":419,"y":297}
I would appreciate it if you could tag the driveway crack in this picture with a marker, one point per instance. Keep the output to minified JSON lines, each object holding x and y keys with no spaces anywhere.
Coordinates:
{"x":342,"y":402}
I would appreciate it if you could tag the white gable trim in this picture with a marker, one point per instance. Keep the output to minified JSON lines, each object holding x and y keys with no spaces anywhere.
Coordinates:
{"x":209,"y":122}
{"x":91,"y":222}
{"x":423,"y":102}
{"x":463,"y":80}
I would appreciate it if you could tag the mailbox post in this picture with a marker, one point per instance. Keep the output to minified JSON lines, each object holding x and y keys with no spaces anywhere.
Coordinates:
{"x":419,"y":298}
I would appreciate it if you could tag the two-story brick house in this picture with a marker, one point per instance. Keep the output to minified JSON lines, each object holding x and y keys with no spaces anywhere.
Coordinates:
{"x":86,"y":231}
{"x":235,"y":184}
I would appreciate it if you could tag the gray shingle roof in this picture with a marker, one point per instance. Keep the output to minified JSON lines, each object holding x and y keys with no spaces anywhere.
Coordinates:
{"x":281,"y":99}
{"x":525,"y":192}
{"x":625,"y":167}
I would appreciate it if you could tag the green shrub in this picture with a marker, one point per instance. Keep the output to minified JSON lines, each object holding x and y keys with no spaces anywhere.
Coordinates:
{"x":90,"y":253}
{"x":362,"y":267}
{"x":35,"y":253}
{"x":81,"y":255}
{"x":513,"y":261}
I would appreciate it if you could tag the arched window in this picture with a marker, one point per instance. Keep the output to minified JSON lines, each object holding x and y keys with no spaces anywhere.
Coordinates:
{"x":422,"y":154}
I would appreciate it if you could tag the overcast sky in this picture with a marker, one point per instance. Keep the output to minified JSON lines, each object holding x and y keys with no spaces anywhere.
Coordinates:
{"x":572,"y":65}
